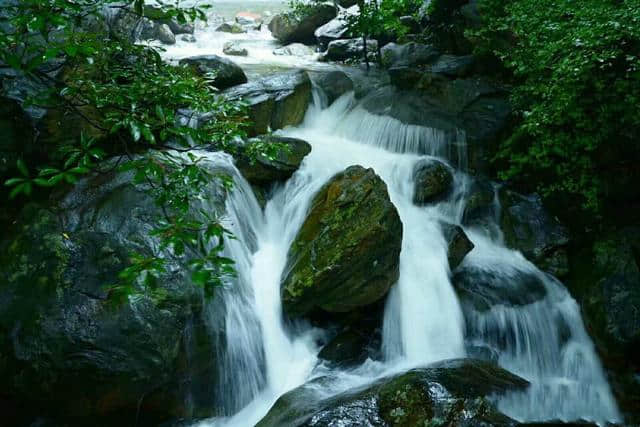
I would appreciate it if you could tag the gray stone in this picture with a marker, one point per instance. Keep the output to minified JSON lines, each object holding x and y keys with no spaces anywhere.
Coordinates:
{"x":225,"y":73}
{"x":341,"y":50}
{"x":290,"y":27}
{"x":233,"y":48}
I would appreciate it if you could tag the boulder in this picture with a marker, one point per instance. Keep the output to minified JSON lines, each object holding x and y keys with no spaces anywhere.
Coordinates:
{"x":189,"y":38}
{"x":294,"y":49}
{"x":75,"y":349}
{"x":409,"y":54}
{"x":249,"y":19}
{"x":480,"y":207}
{"x":231,"y":27}
{"x":334,"y":84}
{"x":529,"y":228}
{"x":341,"y":50}
{"x":157,"y":15}
{"x":225,"y":73}
{"x":265,"y":169}
{"x":233,"y":48}
{"x":346,"y":254}
{"x":460,"y":391}
{"x":163,"y":33}
{"x":452,"y":65}
{"x":294,"y":26}
{"x":275,"y":101}
{"x":481,"y":289}
{"x":433,"y":182}
{"x":335,"y":29}
{"x":458,"y":244}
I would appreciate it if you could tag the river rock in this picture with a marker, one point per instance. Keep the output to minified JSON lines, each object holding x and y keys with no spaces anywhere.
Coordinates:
{"x":164,"y":34}
{"x":335,"y":29}
{"x":480,"y":207}
{"x":231,"y":27}
{"x":409,"y":54}
{"x":529,"y":228}
{"x":294,"y":49}
{"x":226,"y":73}
{"x":459,"y":391}
{"x":71,"y":347}
{"x":292,"y":27}
{"x":265,"y":170}
{"x":334,"y":84}
{"x":482,"y":289}
{"x":433,"y":182}
{"x":346,"y":254}
{"x":233,"y":48}
{"x":458,"y":244}
{"x":275,"y":101}
{"x":249,"y":19}
{"x":350,"y":347}
{"x":341,"y":50}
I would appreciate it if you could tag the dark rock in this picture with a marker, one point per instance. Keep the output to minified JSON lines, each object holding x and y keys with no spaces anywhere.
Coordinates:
{"x":292,"y":27}
{"x":346,"y":254}
{"x":482,"y":289}
{"x":349,"y":347}
{"x":335,"y":29}
{"x":341,"y":50}
{"x":189,"y":38}
{"x":17,"y":136}
{"x":231,"y":27}
{"x":334,"y":84}
{"x":433,"y":182}
{"x":458,"y":391}
{"x":226,"y":73}
{"x":452,"y":65}
{"x":233,"y":48}
{"x":409,"y":54}
{"x":265,"y":171}
{"x":346,"y":3}
{"x":71,"y":347}
{"x":294,"y":49}
{"x":458,"y":244}
{"x":163,"y":33}
{"x":275,"y":101}
{"x":529,"y":228}
{"x":480,"y":207}
{"x":177,"y":28}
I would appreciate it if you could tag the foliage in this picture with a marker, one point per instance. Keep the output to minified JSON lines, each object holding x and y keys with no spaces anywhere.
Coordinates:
{"x":133,"y":106}
{"x":576,"y":70}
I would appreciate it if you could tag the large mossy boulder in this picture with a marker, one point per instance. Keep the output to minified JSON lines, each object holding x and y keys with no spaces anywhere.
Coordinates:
{"x":529,"y":228}
{"x":77,"y":350}
{"x":456,"y":392}
{"x":299,"y":26}
{"x":225,"y":72}
{"x":265,"y":170}
{"x":275,"y":101}
{"x":346,"y":254}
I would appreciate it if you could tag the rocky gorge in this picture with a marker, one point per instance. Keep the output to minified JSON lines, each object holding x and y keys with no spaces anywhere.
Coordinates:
{"x":384,"y":276}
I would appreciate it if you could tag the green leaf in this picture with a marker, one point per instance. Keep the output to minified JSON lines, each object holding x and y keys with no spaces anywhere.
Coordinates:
{"x":22,"y":168}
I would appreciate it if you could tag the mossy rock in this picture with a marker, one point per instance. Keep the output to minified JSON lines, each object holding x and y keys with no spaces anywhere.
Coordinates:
{"x":346,"y":254}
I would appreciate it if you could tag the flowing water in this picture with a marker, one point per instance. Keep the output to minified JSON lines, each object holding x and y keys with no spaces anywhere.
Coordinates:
{"x":262,"y":355}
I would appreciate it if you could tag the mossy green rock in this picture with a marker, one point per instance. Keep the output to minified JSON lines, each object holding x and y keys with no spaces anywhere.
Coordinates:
{"x":453,"y":392}
{"x":346,"y":254}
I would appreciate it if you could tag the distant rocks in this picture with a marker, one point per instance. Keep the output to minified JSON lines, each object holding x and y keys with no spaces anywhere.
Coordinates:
{"x":292,"y":27}
{"x":294,"y":49}
{"x":231,"y":27}
{"x":233,"y":48}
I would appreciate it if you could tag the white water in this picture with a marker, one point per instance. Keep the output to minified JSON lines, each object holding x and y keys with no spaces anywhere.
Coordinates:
{"x":262,"y":356}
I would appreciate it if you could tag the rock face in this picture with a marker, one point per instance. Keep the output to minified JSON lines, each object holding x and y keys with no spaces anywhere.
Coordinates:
{"x":454,"y":390}
{"x":275,"y":101}
{"x":73,"y":349}
{"x":529,"y":228}
{"x":341,"y":50}
{"x":458,"y":244}
{"x":265,"y":171}
{"x":295,"y":27}
{"x":334,"y":84}
{"x":226,"y":72}
{"x":346,"y":254}
{"x":433,"y":182}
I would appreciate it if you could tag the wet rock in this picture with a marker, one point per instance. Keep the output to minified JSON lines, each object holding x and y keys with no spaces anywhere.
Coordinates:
{"x":164,"y":34}
{"x":293,"y":27}
{"x":189,"y":38}
{"x":234,"y":49}
{"x":529,"y":228}
{"x":458,"y":244}
{"x":265,"y":170}
{"x":482,"y":289}
{"x":480,"y":207}
{"x":452,"y":65}
{"x":275,"y":101}
{"x":335,"y":29}
{"x":294,"y":49}
{"x":409,"y":54}
{"x":458,"y":391}
{"x":334,"y":84}
{"x":350,"y":347}
{"x":346,"y":254}
{"x":248,"y":19}
{"x":341,"y":50}
{"x":227,"y":73}
{"x":433,"y":182}
{"x":73,"y":348}
{"x":157,"y":15}
{"x":231,"y":27}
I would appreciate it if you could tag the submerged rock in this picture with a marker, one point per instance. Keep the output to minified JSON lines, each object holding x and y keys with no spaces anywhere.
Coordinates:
{"x":292,"y":27}
{"x":341,"y":50}
{"x":453,"y":392}
{"x":275,"y":101}
{"x":346,"y":254}
{"x":458,"y":244}
{"x":433,"y":182}
{"x":226,"y":73}
{"x":265,"y":170}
